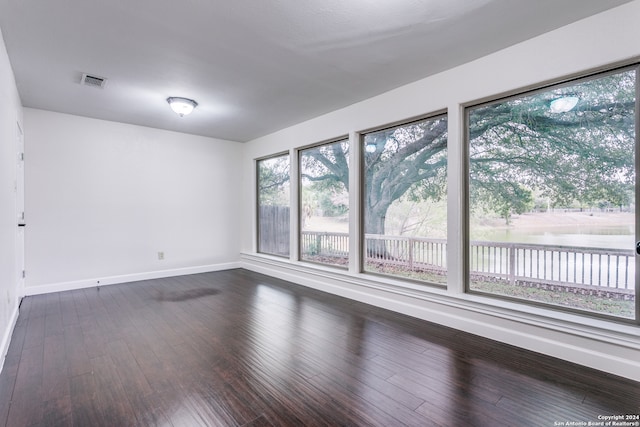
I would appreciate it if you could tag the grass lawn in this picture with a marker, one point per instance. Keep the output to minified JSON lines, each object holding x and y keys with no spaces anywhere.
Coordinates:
{"x":598,"y":304}
{"x":593,"y":303}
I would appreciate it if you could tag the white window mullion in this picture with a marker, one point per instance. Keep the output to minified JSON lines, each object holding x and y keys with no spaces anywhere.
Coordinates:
{"x":294,"y":212}
{"x":355,"y":203}
{"x":456,"y":201}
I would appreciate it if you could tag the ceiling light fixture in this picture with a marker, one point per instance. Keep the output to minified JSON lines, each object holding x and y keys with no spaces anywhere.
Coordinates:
{"x":370,"y":147}
{"x":564,"y":104}
{"x":182,"y":106}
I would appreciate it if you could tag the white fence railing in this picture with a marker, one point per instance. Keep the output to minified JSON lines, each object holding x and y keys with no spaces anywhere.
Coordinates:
{"x":611,"y":268}
{"x":514,"y":262}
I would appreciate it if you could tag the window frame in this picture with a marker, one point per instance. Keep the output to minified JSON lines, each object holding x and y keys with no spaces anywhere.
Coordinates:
{"x":299,"y":151}
{"x":442,"y":113}
{"x":532,"y":90}
{"x":257,"y":201}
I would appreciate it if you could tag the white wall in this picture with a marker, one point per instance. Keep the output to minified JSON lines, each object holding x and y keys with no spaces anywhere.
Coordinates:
{"x":603,"y":40}
{"x":10,"y":115}
{"x":103,"y":198}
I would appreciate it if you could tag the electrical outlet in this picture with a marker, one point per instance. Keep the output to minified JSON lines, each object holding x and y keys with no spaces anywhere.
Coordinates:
{"x":160,"y":255}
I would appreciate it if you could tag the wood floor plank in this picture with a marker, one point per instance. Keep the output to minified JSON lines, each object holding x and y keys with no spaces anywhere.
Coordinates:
{"x":261,"y":421}
{"x":237,"y":348}
{"x":35,"y":332}
{"x":94,"y":336}
{"x":110,"y":393}
{"x":52,"y":304}
{"x":85,"y":406}
{"x":129,"y":371}
{"x":7,"y":383}
{"x":57,"y":412}
{"x":55,"y":378}
{"x":53,"y":324}
{"x":77,"y":356}
{"x":28,"y":389}
{"x":81,"y":303}
{"x":385,"y":397}
{"x":68,"y":309}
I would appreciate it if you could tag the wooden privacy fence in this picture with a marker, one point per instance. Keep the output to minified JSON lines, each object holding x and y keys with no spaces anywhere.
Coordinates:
{"x":512,"y":262}
{"x":273,"y":230}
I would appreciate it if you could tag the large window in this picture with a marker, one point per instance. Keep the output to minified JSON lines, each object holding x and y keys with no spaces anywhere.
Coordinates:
{"x":273,"y":205}
{"x":324,"y":203}
{"x":552,"y":195}
{"x":550,"y":212}
{"x":404,"y":200}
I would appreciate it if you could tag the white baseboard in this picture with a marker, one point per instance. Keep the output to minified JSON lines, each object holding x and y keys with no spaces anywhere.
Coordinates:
{"x":126,"y":278}
{"x":8,"y":333}
{"x":603,"y":345}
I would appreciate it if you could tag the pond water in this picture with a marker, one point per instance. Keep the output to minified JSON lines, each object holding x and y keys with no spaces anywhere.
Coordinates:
{"x":609,"y":237}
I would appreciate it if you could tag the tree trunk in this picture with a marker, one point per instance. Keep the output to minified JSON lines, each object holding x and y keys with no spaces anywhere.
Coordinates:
{"x":374,"y":224}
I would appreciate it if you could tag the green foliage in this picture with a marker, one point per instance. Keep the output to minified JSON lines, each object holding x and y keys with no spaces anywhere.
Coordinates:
{"x":504,"y":198}
{"x":273,"y":181}
{"x":519,"y":150}
{"x":584,"y":155}
{"x":406,"y":161}
{"x":330,"y":208}
{"x":325,"y":179}
{"x":421,"y":218}
{"x":312,"y":249}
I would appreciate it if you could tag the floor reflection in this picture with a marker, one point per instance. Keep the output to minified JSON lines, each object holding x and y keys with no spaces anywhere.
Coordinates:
{"x":239,"y":348}
{"x":185,"y":295}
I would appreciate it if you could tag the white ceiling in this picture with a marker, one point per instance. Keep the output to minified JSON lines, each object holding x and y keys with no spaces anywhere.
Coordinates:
{"x":256,"y":66}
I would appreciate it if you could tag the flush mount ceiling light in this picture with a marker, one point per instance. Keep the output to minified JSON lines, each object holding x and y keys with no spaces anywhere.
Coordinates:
{"x":564,"y":104}
{"x":182,"y":106}
{"x":370,"y":147}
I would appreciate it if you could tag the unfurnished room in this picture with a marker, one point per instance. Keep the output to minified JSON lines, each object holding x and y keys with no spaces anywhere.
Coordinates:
{"x":319,"y":213}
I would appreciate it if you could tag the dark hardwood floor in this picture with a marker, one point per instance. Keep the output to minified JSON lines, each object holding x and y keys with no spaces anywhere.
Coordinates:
{"x":236,"y":348}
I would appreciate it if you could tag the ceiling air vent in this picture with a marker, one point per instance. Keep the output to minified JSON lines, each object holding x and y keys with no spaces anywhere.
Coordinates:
{"x":93,"y":81}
